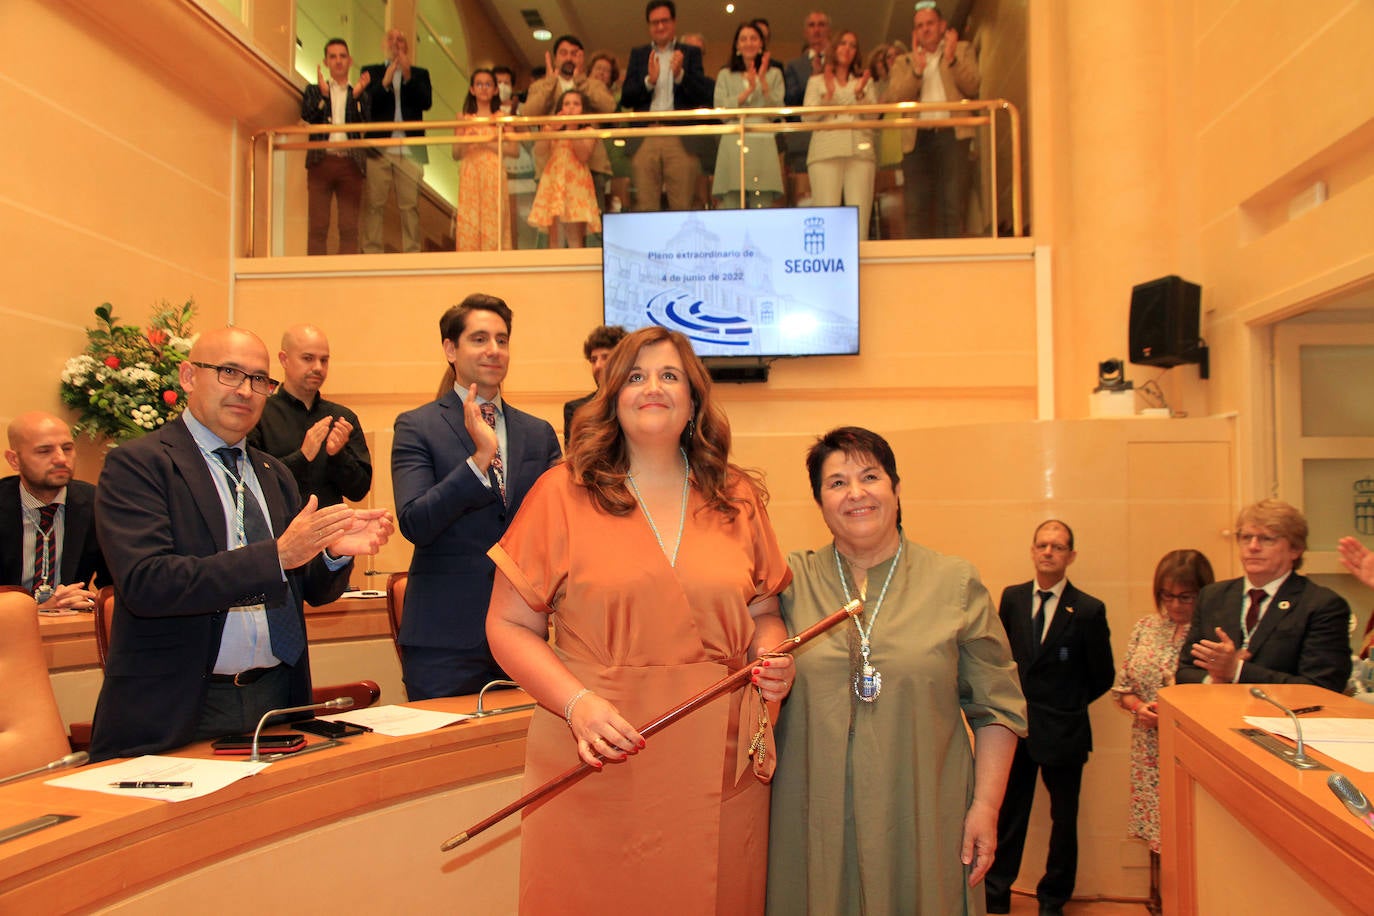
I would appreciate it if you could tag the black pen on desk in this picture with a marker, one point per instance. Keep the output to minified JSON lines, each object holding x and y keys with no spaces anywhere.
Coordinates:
{"x":1304,"y":710}
{"x":149,"y":784}
{"x":353,"y":725}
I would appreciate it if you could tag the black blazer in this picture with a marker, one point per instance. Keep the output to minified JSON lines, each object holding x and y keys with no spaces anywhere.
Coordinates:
{"x":318,"y":108}
{"x":416,"y":99}
{"x":81,"y":554}
{"x":697,"y":90}
{"x":162,"y":527}
{"x":1073,"y":667}
{"x":1303,"y":638}
{"x":453,"y":519}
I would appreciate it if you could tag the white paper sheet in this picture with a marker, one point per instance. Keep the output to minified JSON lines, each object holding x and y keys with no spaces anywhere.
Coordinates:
{"x":1351,"y":741}
{"x":205,"y":776}
{"x":398,"y":721}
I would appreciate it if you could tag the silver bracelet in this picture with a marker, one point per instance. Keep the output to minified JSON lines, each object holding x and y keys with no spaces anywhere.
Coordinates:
{"x":567,"y":710}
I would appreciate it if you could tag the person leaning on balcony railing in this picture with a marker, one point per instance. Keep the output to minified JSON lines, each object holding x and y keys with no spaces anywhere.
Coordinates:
{"x":936,"y":164}
{"x":334,"y":173}
{"x":398,"y":91}
{"x":816,"y":34}
{"x":664,"y":75}
{"x":842,"y":163}
{"x":567,"y":69}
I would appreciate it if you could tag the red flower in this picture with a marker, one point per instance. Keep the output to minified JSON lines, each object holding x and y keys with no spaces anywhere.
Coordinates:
{"x":156,"y":336}
{"x":112,"y":362}
{"x":169,"y":397}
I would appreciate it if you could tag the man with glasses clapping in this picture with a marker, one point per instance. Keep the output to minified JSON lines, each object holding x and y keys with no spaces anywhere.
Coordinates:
{"x":1271,"y":626}
{"x":212,"y":555}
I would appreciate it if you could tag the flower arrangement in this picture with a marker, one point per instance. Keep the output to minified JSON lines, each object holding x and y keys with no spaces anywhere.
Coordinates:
{"x":125,"y":383}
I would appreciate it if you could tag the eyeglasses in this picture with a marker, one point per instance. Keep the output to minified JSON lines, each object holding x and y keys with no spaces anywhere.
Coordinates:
{"x":1264,"y":540}
{"x":1179,"y":598}
{"x":231,"y":377}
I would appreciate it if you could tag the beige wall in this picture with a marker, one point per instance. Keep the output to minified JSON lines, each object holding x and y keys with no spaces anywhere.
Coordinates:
{"x":1168,"y":139}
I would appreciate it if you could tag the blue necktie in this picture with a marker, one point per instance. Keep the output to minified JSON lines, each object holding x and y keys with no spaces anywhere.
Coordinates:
{"x":283,"y":623}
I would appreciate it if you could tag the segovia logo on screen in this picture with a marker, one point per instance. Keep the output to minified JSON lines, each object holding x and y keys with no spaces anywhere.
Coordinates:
{"x":813,"y":243}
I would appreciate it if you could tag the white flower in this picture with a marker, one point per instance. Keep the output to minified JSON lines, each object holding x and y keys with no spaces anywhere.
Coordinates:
{"x":78,"y":369}
{"x":140,"y":375}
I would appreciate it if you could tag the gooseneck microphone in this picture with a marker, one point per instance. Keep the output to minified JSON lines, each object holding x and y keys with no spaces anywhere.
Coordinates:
{"x":1299,"y":758}
{"x":80,"y":758}
{"x":336,"y":703}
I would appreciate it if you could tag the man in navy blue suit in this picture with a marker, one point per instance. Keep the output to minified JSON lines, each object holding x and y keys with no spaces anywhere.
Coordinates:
{"x":1063,"y":650}
{"x":664,"y":75}
{"x":460,"y":467}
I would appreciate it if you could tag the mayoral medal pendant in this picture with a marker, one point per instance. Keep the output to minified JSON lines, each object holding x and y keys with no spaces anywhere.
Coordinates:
{"x":868,"y":683}
{"x":42,"y":593}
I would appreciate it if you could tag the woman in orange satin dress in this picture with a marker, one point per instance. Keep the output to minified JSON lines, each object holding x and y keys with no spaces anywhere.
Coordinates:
{"x":656,"y":561}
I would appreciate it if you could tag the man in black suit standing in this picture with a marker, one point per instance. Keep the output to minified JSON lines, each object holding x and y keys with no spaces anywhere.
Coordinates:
{"x":460,"y":467}
{"x":213,"y":555}
{"x":1272,"y":626}
{"x":47,"y":520}
{"x":664,"y":75}
{"x":1063,"y":650}
{"x":334,"y":174}
{"x":397,"y":90}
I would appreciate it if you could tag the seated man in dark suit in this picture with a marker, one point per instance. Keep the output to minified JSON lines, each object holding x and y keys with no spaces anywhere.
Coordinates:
{"x":212,"y":557}
{"x":460,"y":467}
{"x":1063,"y":650}
{"x":1272,"y":626}
{"x":47,"y":520}
{"x":597,"y":349}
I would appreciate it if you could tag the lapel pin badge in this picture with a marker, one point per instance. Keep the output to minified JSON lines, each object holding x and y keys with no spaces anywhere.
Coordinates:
{"x":1284,"y":605}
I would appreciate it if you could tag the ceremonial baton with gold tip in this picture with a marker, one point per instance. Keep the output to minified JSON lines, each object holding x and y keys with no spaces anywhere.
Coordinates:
{"x":722,"y":686}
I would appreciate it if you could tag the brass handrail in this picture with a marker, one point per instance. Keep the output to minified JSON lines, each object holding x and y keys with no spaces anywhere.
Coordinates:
{"x":618,"y":125}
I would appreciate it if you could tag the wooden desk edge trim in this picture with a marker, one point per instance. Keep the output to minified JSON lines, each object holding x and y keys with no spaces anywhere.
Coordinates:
{"x":128,"y":854}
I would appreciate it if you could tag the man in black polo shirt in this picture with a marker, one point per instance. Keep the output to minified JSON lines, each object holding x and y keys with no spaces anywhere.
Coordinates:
{"x":319,"y":441}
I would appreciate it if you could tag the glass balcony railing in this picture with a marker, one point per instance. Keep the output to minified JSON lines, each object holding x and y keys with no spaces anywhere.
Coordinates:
{"x":479,"y":180}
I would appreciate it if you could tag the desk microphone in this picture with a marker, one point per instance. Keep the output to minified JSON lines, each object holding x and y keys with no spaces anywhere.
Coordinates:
{"x":336,"y":703}
{"x":71,"y":760}
{"x":1300,"y":758}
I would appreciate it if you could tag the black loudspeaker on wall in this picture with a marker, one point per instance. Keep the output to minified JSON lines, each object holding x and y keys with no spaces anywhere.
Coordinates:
{"x":1165,"y":324}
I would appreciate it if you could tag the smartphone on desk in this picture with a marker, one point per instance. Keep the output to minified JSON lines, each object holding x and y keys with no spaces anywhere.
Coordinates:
{"x":274,"y":744}
{"x":329,"y":729}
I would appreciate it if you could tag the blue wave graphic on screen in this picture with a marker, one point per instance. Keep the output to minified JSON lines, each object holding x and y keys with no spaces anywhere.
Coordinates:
{"x":675,"y":309}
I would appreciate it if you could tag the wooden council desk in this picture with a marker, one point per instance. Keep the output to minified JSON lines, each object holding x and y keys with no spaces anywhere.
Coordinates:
{"x":1242,"y":830}
{"x":355,"y":828}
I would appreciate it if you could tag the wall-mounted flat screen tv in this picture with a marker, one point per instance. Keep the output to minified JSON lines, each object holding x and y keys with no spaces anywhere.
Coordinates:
{"x":755,"y":283}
